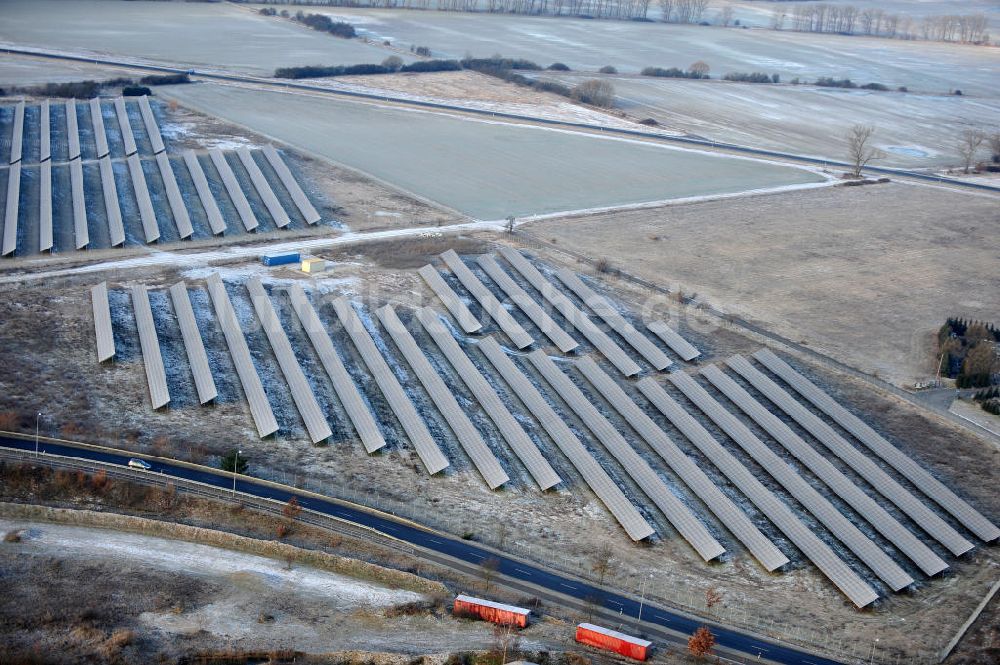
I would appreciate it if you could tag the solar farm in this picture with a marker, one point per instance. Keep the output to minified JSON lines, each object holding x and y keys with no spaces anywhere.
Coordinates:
{"x":499,"y":338}
{"x":99,"y":175}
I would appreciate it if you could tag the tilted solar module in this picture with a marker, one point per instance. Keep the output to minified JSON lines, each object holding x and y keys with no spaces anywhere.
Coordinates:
{"x":822,"y":556}
{"x":126,"y":126}
{"x":686,"y":469}
{"x":302,"y":392}
{"x":571,"y":312}
{"x":672,"y":338}
{"x":116,"y":229}
{"x":102,"y":322}
{"x":193,"y":344}
{"x":425,"y":445}
{"x":72,"y":129}
{"x":466,"y":433}
{"x":12,"y":209}
{"x":150,"y":227}
{"x":512,"y":432}
{"x":968,"y":516}
{"x":44,"y":132}
{"x":260,"y":407}
{"x":863,"y":465}
{"x":531,"y":309}
{"x":152,"y":361}
{"x":357,"y":410}
{"x":45,"y":206}
{"x":604,"y":309}
{"x":820,"y":507}
{"x":100,"y":134}
{"x":236,"y":194}
{"x":263,"y":188}
{"x":288,"y":180}
{"x":679,"y":515}
{"x":152,"y":129}
{"x":81,"y":234}
{"x":208,"y":202}
{"x":841,"y":485}
{"x":593,"y":474}
{"x":490,"y":304}
{"x":174,"y":198}
{"x":17,"y":134}
{"x":450,"y":299}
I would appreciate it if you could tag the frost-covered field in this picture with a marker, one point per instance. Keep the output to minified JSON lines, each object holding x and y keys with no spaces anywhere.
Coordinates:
{"x":486,"y":169}
{"x":27,"y":71}
{"x":630,"y":46}
{"x":206,"y":35}
{"x":913,"y":130}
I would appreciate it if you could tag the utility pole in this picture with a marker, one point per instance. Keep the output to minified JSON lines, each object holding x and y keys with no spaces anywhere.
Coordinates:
{"x":37,"y":418}
{"x":642,"y":598}
{"x":236,"y":464}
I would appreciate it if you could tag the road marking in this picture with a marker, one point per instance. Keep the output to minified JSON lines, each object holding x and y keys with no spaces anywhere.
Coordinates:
{"x":478,"y":556}
{"x":660,"y":616}
{"x":522,"y":571}
{"x":760,"y":648}
{"x":434,"y":540}
{"x":615,"y":602}
{"x":568,"y":586}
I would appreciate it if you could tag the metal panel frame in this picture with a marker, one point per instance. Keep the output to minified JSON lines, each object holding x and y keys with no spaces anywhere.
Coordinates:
{"x":174,"y":198}
{"x":44,"y":132}
{"x":208,"y":202}
{"x":17,"y":134}
{"x":968,"y":516}
{"x":72,"y":129}
{"x":637,"y":468}
{"x":531,"y":309}
{"x":288,"y":180}
{"x":236,"y":194}
{"x":150,"y":227}
{"x":490,"y":304}
{"x":100,"y":134}
{"x":152,"y":129}
{"x":278,"y":214}
{"x":673,"y":339}
{"x":152,"y":361}
{"x":604,"y":309}
{"x":820,"y":467}
{"x":45,"y":206}
{"x":260,"y":407}
{"x":116,"y":229}
{"x":427,"y":449}
{"x":126,"y":126}
{"x":819,"y":506}
{"x":450,"y":299}
{"x":741,"y":526}
{"x":515,"y":436}
{"x":572,"y":313}
{"x":193,"y":344}
{"x":354,"y":404}
{"x":12,"y":209}
{"x":81,"y":233}
{"x":593,"y":474}
{"x":302,"y":392}
{"x":863,"y":465}
{"x":817,"y":551}
{"x":468,"y":436}
{"x":103,"y":329}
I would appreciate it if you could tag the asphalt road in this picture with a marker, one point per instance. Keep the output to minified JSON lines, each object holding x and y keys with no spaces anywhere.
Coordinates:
{"x":455,"y":548}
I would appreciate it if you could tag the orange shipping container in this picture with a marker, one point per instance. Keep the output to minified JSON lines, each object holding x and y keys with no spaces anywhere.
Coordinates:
{"x":612,"y":640}
{"x":487,"y":610}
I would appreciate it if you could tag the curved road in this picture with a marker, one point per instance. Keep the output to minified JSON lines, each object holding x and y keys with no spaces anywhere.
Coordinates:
{"x":689,"y":140}
{"x":455,"y":548}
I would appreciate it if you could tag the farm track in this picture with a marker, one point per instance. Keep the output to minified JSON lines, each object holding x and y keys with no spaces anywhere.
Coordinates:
{"x":690,"y":141}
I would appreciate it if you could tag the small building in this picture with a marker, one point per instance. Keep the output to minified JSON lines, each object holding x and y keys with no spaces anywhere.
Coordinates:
{"x":313,"y":265}
{"x":612,"y":640}
{"x":279,"y":259}
{"x":487,"y":610}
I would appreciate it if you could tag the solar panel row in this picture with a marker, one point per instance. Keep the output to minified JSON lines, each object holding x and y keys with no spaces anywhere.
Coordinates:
{"x":150,"y":227}
{"x":125,"y":125}
{"x":672,"y":338}
{"x":17,"y":134}
{"x":72,"y":129}
{"x":116,"y":229}
{"x":236,"y":194}
{"x":278,"y":214}
{"x":11,"y":209}
{"x":193,"y":344}
{"x":100,"y":135}
{"x":102,"y":322}
{"x":45,"y":206}
{"x":152,"y":129}
{"x":450,"y":299}
{"x":44,"y":132}
{"x":174,"y":199}
{"x":288,"y":180}
{"x":208,"y":202}
{"x":80,"y":233}
{"x":156,"y":375}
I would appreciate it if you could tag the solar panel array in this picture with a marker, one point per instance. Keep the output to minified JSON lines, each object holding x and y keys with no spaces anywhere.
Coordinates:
{"x":641,"y":473}
{"x":512,"y":432}
{"x":490,"y":304}
{"x":465,"y":432}
{"x":920,"y":477}
{"x":147,"y":192}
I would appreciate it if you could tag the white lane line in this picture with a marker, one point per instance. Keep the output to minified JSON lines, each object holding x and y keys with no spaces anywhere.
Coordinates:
{"x":660,"y":616}
{"x":434,"y":540}
{"x":568,"y":586}
{"x":522,"y":571}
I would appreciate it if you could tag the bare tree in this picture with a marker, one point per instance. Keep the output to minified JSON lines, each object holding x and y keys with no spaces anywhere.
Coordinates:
{"x":602,"y":561}
{"x":969,"y":144}
{"x":860,"y":148}
{"x":994,"y":143}
{"x":726,"y":16}
{"x":700,"y":67}
{"x":506,"y":641}
{"x":595,"y":92}
{"x":489,"y":568}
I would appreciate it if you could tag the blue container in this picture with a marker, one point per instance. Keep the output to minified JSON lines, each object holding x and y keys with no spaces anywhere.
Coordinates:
{"x":279,"y":259}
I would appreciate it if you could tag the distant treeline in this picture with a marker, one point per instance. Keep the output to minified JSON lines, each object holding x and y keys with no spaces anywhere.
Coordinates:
{"x":874,"y":22}
{"x":90,"y":89}
{"x":319,"y":71}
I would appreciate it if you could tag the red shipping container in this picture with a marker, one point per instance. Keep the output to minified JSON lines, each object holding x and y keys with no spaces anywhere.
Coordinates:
{"x":612,"y":640}
{"x":487,"y":610}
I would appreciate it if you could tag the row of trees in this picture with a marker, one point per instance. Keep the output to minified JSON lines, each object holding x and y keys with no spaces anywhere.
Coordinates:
{"x":969,"y":352}
{"x":850,"y":20}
